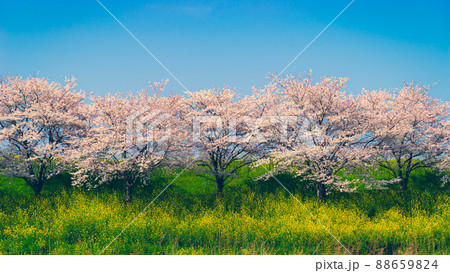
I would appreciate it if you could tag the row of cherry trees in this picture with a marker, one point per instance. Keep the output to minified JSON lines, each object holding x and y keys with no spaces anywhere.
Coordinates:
{"x":312,"y":130}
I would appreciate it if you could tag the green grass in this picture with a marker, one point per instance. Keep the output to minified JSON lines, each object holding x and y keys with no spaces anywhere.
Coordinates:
{"x":252,"y":217}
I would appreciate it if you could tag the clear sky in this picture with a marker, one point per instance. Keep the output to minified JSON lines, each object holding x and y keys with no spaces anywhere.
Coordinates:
{"x":377,"y":44}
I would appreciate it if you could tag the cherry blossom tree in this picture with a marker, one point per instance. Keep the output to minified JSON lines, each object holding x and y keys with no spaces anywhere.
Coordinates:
{"x":313,"y":130}
{"x":225,"y":132}
{"x":325,"y":131}
{"x":410,"y":130}
{"x":130,"y":136}
{"x":39,"y":121}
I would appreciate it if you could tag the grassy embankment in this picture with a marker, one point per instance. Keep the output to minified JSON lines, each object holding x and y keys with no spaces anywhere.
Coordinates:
{"x":252,"y":217}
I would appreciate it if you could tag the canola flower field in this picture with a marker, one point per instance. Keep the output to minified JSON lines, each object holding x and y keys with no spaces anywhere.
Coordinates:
{"x":252,"y":217}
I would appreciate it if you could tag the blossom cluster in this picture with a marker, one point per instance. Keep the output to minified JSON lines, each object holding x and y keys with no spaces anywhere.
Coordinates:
{"x":316,"y":131}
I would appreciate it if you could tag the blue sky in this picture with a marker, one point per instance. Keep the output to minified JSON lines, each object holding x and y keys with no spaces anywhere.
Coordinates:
{"x":377,"y":44}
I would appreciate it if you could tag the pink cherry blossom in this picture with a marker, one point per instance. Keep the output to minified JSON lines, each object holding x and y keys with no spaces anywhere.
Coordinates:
{"x":39,"y":121}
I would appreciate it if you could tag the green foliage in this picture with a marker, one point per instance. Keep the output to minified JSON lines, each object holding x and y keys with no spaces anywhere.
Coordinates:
{"x":252,"y":217}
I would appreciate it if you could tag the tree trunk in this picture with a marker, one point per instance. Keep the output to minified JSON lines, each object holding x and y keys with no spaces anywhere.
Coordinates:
{"x":321,"y":192}
{"x":128,"y":192}
{"x":36,"y":185}
{"x":220,"y":181}
{"x":38,"y":188}
{"x":403,"y":183}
